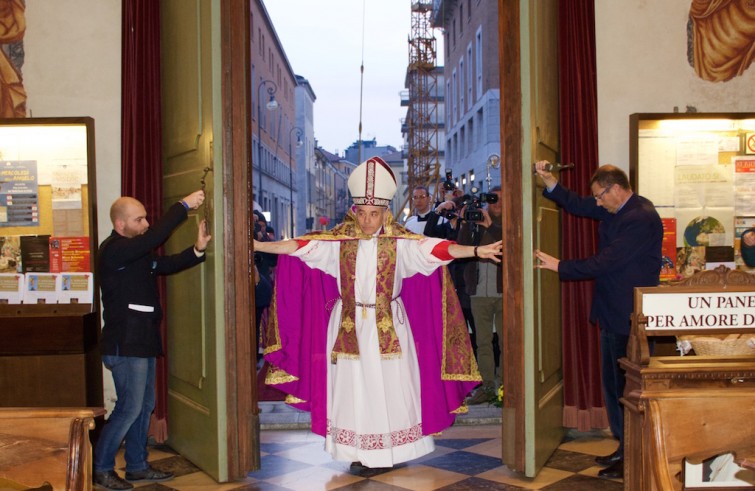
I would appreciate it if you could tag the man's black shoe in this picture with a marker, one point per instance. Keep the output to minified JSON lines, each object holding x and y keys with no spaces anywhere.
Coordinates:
{"x":607,"y":460}
{"x":110,"y":480}
{"x":615,"y":471}
{"x":150,"y":474}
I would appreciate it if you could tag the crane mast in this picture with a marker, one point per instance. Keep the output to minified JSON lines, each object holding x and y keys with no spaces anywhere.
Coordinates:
{"x":423,"y":163}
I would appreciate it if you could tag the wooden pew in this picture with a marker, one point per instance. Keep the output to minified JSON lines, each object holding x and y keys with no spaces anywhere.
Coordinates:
{"x":47,"y":444}
{"x":697,"y":425}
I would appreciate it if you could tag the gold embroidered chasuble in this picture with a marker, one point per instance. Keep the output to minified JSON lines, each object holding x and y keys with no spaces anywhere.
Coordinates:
{"x":349,"y":234}
{"x":457,"y":359}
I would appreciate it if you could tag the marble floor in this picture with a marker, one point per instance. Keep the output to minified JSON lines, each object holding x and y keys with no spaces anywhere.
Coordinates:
{"x":466,"y":457}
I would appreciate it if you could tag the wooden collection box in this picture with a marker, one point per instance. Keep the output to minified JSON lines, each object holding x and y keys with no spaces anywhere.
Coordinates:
{"x":668,"y":390}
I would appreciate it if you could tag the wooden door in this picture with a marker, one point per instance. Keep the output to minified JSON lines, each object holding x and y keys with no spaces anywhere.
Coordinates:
{"x":192,"y":153}
{"x":213,"y":413}
{"x":532,"y":414}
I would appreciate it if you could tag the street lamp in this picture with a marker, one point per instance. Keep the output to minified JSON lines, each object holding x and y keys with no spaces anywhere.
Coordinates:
{"x":299,"y":143}
{"x":271,"y":105}
{"x":494,"y":161}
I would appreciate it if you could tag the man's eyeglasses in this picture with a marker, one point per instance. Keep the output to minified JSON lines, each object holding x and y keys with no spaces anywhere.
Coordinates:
{"x":423,"y":196}
{"x":600,"y":195}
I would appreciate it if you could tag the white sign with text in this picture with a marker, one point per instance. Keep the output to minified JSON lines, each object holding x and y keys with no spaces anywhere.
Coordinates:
{"x":699,"y":310}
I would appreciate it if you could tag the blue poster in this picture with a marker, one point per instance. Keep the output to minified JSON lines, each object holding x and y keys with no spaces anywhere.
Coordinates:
{"x":19,"y":196}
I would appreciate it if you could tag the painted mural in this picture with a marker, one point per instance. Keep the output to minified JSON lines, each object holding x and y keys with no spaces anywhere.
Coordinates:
{"x":721,"y":38}
{"x":12,"y":29}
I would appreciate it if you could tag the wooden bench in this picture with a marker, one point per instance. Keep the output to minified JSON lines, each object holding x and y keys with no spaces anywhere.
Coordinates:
{"x":51,"y":445}
{"x":695,"y":426}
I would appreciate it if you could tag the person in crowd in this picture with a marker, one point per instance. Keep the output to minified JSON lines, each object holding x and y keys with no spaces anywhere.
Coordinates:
{"x":265,"y":262}
{"x":366,"y":332}
{"x":425,"y":220}
{"x":451,"y":209}
{"x":628,"y":256}
{"x":484,"y":284}
{"x":131,"y":342}
{"x":263,"y":286}
{"x":260,"y":218}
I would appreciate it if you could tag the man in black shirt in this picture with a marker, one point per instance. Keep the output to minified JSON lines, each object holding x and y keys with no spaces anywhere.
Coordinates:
{"x":130,"y":344}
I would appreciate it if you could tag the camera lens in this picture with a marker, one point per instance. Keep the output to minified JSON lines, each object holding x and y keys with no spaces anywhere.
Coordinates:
{"x":473,"y":215}
{"x":489,"y":198}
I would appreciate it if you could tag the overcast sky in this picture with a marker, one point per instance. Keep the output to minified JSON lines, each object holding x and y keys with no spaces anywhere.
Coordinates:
{"x":323,"y":42}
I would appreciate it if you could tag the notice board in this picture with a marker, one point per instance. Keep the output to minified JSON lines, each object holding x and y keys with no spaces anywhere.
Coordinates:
{"x":47,"y":210}
{"x":699,"y":171}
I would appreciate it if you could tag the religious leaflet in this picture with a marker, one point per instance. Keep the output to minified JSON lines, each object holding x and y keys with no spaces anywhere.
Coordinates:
{"x":10,"y":254}
{"x":11,"y":287}
{"x":717,"y":472}
{"x":69,"y":254}
{"x":75,"y":288}
{"x":668,"y":250}
{"x":744,"y":186}
{"x":41,"y":287}
{"x":19,"y":194}
{"x":35,"y":253}
{"x":704,"y":205}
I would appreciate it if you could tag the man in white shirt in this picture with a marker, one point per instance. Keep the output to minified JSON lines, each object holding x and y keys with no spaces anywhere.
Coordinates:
{"x":425,"y":221}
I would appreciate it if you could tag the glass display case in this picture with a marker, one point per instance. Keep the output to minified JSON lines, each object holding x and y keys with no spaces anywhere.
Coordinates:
{"x":699,"y":171}
{"x":49,"y":307}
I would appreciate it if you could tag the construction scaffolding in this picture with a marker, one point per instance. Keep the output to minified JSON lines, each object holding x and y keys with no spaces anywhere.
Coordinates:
{"x":422,"y":119}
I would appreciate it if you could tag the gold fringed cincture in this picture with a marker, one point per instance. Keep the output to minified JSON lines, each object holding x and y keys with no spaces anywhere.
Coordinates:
{"x":293,"y":399}
{"x":277,"y":375}
{"x":463,"y":409}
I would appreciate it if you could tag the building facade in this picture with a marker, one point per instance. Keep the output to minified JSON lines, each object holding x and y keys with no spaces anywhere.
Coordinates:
{"x":302,"y":140}
{"x":472,"y":89}
{"x":273,"y":104}
{"x":328,"y":189}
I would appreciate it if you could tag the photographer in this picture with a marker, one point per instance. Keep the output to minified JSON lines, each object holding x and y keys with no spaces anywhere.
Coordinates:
{"x":484,"y":285}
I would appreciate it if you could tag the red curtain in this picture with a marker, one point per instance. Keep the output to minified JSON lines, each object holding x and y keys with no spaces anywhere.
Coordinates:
{"x":583,"y":400}
{"x":141,"y":141}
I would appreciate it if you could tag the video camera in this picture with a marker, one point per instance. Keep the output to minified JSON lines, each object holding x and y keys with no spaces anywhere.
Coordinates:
{"x":449,"y":184}
{"x":473,"y":203}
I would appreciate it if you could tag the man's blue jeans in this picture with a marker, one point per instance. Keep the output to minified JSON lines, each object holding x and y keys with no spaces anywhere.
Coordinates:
{"x":134,"y":380}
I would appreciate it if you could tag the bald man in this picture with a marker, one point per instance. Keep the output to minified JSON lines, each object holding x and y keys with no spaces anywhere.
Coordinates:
{"x":130,"y":344}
